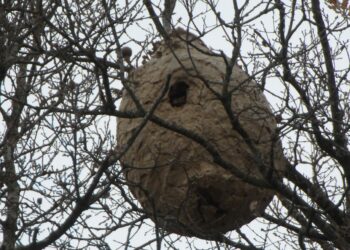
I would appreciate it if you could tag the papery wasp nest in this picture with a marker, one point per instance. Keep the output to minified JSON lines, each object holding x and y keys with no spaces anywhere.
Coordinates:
{"x":175,"y":178}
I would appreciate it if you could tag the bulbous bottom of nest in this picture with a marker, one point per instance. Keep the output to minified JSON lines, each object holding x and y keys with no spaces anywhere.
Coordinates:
{"x":199,"y":199}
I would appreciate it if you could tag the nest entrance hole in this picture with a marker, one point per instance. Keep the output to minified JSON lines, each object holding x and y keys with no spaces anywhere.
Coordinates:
{"x":178,"y":94}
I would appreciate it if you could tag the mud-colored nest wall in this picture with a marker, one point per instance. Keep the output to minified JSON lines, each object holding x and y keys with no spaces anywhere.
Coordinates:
{"x":174,"y":178}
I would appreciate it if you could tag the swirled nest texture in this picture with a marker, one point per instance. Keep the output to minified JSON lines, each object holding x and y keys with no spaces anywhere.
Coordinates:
{"x":174,"y":177}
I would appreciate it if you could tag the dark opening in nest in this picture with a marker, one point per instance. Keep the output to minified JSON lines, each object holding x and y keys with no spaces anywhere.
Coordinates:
{"x":178,"y":93}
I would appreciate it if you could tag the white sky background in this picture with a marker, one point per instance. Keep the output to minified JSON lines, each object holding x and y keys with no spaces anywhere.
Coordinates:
{"x":217,"y":41}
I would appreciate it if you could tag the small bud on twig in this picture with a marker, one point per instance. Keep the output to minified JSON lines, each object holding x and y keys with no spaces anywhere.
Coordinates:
{"x":126,"y":53}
